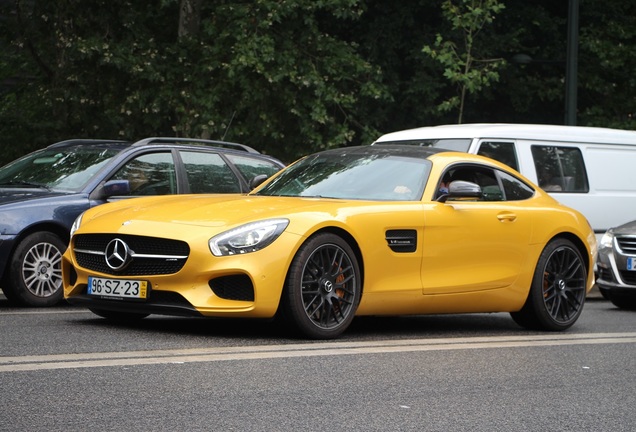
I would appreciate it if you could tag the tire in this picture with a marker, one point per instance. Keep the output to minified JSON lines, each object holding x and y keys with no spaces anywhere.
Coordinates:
{"x":35,"y":271}
{"x":323,"y":287}
{"x":623,"y":301}
{"x":557,"y":293}
{"x":118,"y":316}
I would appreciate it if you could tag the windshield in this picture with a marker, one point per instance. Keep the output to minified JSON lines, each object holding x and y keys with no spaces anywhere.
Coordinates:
{"x":360,"y":176}
{"x":66,"y":169}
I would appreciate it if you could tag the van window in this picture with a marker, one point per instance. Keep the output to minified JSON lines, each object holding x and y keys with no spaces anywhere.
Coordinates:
{"x":503,"y":152}
{"x":459,"y":144}
{"x":560,"y":169}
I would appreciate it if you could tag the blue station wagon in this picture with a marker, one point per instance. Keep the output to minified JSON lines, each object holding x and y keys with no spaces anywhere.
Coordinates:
{"x":42,"y":193}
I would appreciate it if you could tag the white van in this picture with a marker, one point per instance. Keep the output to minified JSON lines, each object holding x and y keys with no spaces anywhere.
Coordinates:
{"x":590,"y":169}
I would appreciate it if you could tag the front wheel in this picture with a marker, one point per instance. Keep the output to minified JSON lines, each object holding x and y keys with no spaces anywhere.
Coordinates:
{"x":323,"y":287}
{"x":35,"y":271}
{"x":557,"y":294}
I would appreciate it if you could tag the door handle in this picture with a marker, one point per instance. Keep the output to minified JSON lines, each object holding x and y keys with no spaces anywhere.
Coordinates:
{"x":506,"y":217}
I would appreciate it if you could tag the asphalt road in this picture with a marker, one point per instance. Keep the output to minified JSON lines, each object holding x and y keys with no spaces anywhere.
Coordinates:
{"x":62,"y":369}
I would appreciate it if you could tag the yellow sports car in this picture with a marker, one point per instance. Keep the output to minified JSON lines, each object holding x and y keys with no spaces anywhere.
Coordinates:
{"x":372,"y":230}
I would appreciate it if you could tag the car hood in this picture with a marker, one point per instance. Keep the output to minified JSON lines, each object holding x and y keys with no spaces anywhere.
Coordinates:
{"x":22,"y":195}
{"x":144,"y":216}
{"x":626,"y":229}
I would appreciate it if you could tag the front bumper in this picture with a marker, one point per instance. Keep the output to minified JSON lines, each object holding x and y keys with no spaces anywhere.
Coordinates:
{"x":247,"y":285}
{"x":612,"y":273}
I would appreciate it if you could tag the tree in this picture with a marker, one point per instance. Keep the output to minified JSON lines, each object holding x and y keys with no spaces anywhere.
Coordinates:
{"x":291,"y":78}
{"x":266,"y":73}
{"x":460,"y":53}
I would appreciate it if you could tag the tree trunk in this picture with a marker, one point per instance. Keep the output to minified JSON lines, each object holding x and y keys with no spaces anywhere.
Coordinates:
{"x":189,"y":18}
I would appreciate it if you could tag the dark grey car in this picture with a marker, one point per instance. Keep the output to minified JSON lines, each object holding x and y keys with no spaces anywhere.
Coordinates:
{"x":42,"y":193}
{"x":617,"y":265}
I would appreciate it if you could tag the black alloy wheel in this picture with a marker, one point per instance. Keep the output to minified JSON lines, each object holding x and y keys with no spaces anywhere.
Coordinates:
{"x":323,"y":287}
{"x":558,"y":290}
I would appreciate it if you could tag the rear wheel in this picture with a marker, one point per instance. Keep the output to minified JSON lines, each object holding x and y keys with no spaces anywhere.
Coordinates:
{"x":323,"y":287}
{"x":35,"y":271}
{"x":557,"y":294}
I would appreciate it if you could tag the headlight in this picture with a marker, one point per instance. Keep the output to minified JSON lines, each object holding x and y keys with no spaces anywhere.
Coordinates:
{"x":607,"y":240}
{"x":76,"y":224}
{"x":247,"y":238}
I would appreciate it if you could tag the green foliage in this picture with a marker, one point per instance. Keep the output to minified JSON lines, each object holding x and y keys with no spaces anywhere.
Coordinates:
{"x":294,"y":76}
{"x":462,"y":57}
{"x":266,"y":73}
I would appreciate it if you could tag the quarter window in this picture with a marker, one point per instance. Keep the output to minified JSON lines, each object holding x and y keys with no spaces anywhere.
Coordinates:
{"x":251,"y":167}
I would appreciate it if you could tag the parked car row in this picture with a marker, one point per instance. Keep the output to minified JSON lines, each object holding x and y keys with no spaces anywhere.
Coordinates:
{"x":218,"y":229}
{"x":42,"y":193}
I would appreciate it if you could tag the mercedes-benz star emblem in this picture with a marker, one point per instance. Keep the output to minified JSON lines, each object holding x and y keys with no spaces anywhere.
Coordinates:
{"x":117,"y":254}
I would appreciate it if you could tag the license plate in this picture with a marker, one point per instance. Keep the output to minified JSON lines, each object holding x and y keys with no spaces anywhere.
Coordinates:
{"x":631,"y":263}
{"x":119,"y":288}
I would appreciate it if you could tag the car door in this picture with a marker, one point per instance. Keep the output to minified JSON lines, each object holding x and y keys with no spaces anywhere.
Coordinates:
{"x":480,"y":244}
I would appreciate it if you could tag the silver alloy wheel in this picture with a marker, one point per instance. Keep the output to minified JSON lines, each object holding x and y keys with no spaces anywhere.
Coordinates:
{"x":42,"y":269}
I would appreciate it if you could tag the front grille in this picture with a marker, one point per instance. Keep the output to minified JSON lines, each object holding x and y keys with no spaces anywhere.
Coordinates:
{"x":629,"y":277}
{"x":167,"y":256}
{"x":627,"y":244}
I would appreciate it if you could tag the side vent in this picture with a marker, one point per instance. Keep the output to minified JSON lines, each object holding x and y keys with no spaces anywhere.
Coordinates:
{"x":402,"y":240}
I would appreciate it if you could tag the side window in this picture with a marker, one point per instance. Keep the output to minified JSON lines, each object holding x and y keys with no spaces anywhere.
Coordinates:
{"x":209,"y":173}
{"x":495,"y":185}
{"x":483,"y":176}
{"x":515,"y":189}
{"x":149,"y":174}
{"x":503,"y":152}
{"x":560,"y":169}
{"x":250,"y":167}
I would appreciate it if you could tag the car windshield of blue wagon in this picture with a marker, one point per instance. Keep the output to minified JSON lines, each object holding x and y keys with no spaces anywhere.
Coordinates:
{"x":370,"y":176}
{"x":65,"y":169}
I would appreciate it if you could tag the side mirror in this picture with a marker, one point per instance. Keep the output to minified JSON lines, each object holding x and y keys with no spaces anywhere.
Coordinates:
{"x":116,"y":187}
{"x":258,"y":180}
{"x":460,"y":189}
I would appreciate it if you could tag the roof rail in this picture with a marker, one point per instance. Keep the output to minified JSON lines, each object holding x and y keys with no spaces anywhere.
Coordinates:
{"x":225,"y":144}
{"x":85,"y":141}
